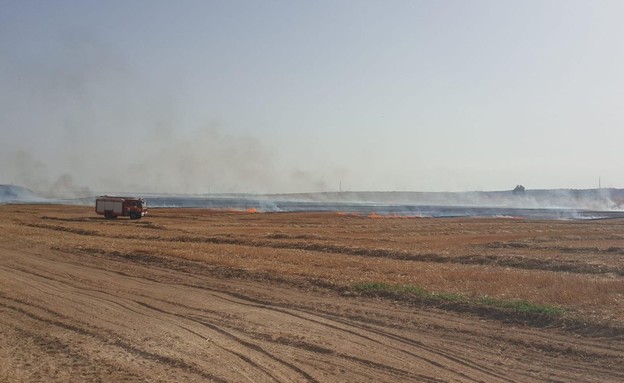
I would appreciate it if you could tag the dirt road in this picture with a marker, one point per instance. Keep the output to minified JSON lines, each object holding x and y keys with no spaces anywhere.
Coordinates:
{"x":76,"y":317}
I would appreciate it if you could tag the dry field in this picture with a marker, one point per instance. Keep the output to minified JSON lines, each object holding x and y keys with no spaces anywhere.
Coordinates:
{"x":198,"y":295}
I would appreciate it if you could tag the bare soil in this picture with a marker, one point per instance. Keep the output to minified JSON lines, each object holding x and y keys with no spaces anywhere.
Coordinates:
{"x":197,"y":295}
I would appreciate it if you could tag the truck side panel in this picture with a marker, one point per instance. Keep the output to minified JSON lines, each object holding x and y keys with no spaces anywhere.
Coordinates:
{"x":117,"y":207}
{"x":102,"y":206}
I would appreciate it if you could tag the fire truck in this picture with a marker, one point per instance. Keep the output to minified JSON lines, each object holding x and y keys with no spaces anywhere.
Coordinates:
{"x":113,"y":207}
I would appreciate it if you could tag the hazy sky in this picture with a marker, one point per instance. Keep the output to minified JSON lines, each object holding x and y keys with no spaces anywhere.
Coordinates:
{"x":290,"y":96}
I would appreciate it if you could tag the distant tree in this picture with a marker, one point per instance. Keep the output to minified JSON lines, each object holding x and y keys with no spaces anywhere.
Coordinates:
{"x":519,"y":189}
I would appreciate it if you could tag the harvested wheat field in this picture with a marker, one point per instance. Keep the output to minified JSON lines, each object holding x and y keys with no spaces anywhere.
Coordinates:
{"x":215,"y":296}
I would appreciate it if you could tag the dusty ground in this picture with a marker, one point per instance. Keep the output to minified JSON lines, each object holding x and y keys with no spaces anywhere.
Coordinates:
{"x":194,"y":295}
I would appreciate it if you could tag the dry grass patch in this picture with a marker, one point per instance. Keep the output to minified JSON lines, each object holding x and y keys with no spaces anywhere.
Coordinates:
{"x":335,"y":249}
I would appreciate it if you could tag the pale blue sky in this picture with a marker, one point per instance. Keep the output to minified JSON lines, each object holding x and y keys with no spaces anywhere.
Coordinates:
{"x":283,"y":96}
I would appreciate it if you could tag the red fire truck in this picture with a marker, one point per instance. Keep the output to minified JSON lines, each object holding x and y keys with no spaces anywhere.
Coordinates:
{"x":113,"y":207}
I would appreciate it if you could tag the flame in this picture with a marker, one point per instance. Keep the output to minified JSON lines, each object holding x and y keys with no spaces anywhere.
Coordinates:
{"x":251,"y":210}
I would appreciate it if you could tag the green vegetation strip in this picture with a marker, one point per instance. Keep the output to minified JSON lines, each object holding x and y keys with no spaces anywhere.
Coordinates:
{"x":407,"y":291}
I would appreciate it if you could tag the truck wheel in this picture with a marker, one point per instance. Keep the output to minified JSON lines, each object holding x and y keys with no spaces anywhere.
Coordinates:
{"x":135,"y":216}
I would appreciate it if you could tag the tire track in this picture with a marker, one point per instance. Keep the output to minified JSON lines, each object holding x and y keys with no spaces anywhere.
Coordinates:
{"x":383,"y":334}
{"x":76,"y":359}
{"x":31,"y":282}
{"x":281,"y":311}
{"x":529,"y":346}
{"x":172,"y":362}
{"x":262,"y":304}
{"x":246,"y":344}
{"x":112,"y":301}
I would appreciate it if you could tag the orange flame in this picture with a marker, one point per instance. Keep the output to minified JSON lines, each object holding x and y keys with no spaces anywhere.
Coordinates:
{"x":251,"y":210}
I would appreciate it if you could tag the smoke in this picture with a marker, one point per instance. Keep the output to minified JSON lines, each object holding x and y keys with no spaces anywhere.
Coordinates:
{"x":207,"y":160}
{"x":29,"y":172}
{"x":588,"y":199}
{"x":64,"y":187}
{"x":79,"y":111}
{"x":320,"y":180}
{"x":78,"y":117}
